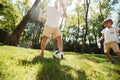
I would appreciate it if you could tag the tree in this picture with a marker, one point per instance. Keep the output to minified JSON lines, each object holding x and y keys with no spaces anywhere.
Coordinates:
{"x":32,"y":33}
{"x":86,"y":9}
{"x":9,"y":21}
{"x":14,"y":37}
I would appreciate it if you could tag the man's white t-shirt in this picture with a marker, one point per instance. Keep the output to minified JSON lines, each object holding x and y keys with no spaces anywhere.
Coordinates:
{"x":110,"y":34}
{"x":53,"y":17}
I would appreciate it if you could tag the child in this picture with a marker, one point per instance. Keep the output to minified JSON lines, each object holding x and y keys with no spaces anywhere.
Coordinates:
{"x":109,"y":34}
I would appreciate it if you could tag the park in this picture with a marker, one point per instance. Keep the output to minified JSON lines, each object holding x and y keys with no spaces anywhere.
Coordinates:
{"x":21,"y":37}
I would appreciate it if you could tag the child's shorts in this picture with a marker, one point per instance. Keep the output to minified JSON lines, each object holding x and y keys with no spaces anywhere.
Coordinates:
{"x":109,"y":45}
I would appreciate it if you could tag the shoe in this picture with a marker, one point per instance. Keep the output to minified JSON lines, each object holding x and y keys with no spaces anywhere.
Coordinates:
{"x":112,"y":62}
{"x":54,"y":57}
{"x":41,"y":55}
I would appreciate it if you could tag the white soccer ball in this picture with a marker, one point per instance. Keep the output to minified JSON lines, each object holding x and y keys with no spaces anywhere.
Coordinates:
{"x":58,"y":54}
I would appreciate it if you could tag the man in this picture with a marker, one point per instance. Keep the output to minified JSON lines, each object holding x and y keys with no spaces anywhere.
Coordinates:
{"x":51,"y":27}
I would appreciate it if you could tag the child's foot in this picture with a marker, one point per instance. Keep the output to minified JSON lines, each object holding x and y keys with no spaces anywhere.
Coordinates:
{"x":112,"y":62}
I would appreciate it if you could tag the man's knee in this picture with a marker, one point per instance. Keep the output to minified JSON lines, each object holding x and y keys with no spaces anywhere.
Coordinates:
{"x":44,"y":38}
{"x":58,"y":38}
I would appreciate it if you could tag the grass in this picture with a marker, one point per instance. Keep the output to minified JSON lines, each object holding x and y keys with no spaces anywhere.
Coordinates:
{"x":25,"y":64}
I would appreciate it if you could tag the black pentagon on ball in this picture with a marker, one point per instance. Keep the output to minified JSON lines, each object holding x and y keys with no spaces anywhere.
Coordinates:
{"x":57,"y":51}
{"x":62,"y":57}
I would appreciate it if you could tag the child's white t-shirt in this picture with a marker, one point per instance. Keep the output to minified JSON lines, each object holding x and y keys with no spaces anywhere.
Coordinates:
{"x":110,"y":34}
{"x":53,"y":17}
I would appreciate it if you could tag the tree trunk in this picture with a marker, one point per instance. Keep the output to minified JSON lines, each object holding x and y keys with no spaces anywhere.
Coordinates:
{"x":13,"y":39}
{"x":102,"y":18}
{"x":86,"y":7}
{"x":77,"y":36}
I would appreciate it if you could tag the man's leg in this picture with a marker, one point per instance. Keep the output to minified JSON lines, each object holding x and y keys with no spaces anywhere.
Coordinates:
{"x":60,"y":43}
{"x":43,"y":44}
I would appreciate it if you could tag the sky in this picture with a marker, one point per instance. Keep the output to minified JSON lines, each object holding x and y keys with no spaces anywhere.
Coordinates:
{"x":71,"y":8}
{"x":65,"y":1}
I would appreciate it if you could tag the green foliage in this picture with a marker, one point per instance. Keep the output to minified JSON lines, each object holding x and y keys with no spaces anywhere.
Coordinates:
{"x":10,"y":16}
{"x":33,"y":30}
{"x":32,"y":34}
{"x":43,"y":4}
{"x":26,"y":64}
{"x":12,"y":13}
{"x":3,"y":35}
{"x":23,"y":6}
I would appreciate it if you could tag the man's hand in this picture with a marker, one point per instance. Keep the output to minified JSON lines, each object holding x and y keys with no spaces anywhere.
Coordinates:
{"x":64,"y":10}
{"x":62,"y":4}
{"x":40,"y":19}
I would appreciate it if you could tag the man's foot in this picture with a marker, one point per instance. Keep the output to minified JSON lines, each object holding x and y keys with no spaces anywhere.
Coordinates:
{"x":41,"y":55}
{"x":64,"y":58}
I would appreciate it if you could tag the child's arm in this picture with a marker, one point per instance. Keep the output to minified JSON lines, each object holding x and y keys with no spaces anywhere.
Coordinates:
{"x":101,"y":38}
{"x":119,"y":31}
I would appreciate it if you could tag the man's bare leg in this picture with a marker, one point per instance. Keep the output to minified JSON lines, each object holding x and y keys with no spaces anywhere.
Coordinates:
{"x":60,"y":43}
{"x":43,"y":45}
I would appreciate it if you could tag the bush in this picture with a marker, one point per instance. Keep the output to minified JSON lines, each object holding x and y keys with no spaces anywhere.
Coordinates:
{"x":3,"y":35}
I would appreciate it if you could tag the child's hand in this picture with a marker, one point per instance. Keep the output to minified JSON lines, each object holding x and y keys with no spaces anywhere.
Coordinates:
{"x":99,"y":40}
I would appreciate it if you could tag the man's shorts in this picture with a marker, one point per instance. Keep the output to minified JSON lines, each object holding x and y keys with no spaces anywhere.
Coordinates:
{"x":49,"y":31}
{"x":109,"y":45}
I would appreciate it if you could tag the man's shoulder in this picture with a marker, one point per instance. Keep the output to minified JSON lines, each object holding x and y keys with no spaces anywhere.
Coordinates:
{"x":50,"y":7}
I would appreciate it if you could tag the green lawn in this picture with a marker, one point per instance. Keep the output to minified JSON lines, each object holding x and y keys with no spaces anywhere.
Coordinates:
{"x":25,"y":64}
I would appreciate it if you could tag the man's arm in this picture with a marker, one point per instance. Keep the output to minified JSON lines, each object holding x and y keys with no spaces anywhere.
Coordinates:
{"x":64,"y":10}
{"x":40,"y":18}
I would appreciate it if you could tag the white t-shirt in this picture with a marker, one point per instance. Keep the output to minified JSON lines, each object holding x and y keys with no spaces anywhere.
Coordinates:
{"x":53,"y":17}
{"x":110,"y":34}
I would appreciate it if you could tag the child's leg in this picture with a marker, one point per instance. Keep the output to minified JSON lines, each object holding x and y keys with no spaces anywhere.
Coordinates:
{"x":107,"y":47}
{"x":116,"y":49}
{"x":109,"y":56}
{"x":118,"y":54}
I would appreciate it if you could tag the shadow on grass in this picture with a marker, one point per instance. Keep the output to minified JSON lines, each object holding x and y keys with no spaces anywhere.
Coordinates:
{"x":93,"y":57}
{"x":113,"y":72}
{"x":100,"y":58}
{"x":52,"y":70}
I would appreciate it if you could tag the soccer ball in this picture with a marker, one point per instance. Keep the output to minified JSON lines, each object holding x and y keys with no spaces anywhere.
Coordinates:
{"x":58,"y":55}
